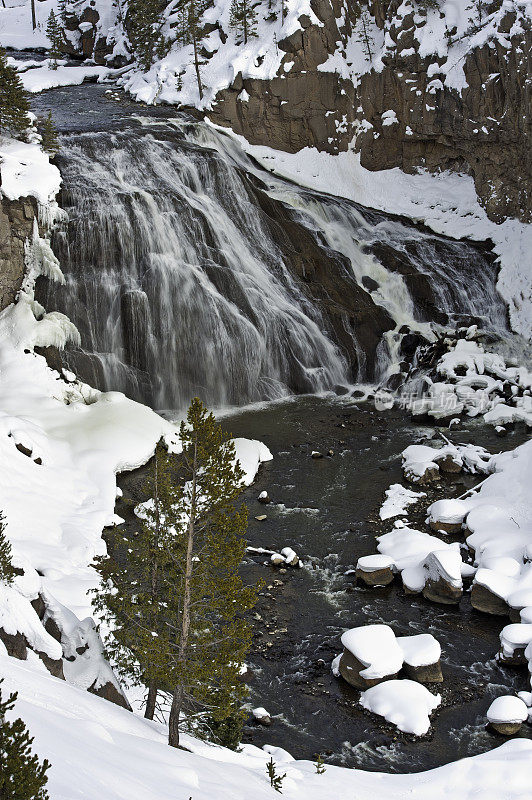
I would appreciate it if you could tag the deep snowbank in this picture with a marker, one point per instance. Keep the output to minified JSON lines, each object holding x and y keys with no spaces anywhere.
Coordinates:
{"x":98,"y":750}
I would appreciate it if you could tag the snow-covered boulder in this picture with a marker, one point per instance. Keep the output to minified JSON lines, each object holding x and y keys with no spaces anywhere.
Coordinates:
{"x":371,"y":655}
{"x":447,"y":516}
{"x":443,"y":576}
{"x":261,"y":716}
{"x":514,"y":640}
{"x":421,"y":657}
{"x":426,"y":563}
{"x":404,"y":703}
{"x":375,"y":570}
{"x":506,"y":714}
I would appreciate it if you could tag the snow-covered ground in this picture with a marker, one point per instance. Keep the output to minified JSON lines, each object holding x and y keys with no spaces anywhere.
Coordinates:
{"x":98,"y":750}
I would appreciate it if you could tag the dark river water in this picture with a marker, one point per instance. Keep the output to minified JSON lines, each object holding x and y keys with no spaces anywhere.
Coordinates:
{"x":327,"y":510}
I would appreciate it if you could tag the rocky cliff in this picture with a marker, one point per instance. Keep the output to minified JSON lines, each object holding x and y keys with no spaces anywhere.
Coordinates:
{"x":410,"y":105}
{"x":16,"y":227}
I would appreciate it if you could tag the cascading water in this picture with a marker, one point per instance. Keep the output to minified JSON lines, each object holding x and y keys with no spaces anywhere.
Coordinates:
{"x":171,"y":273}
{"x":179,"y":286}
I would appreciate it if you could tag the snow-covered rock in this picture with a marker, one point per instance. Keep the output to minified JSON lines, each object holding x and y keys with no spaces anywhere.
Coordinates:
{"x":375,"y":570}
{"x":506,"y":714}
{"x":404,"y":703}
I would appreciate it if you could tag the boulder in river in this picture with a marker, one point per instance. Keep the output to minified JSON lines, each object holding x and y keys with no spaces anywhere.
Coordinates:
{"x":506,"y":714}
{"x":443,"y":583}
{"x":376,"y":570}
{"x":371,"y":655}
{"x":484,"y":599}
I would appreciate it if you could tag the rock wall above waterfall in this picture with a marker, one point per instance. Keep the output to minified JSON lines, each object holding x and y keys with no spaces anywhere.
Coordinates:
{"x":16,"y":227}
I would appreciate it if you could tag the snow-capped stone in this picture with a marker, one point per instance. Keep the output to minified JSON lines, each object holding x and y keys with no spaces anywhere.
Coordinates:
{"x":404,"y":703}
{"x":506,"y":714}
{"x":371,"y":654}
{"x":447,"y":515}
{"x":375,"y":570}
{"x":261,"y":716}
{"x":421,"y":656}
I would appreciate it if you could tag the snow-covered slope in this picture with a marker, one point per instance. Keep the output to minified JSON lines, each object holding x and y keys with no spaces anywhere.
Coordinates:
{"x":98,"y":750}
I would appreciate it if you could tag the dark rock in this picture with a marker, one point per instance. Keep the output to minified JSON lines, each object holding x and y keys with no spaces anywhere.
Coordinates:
{"x":484,"y":600}
{"x":350,"y":668}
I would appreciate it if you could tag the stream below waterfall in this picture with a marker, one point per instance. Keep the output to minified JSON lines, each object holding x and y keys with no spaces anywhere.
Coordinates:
{"x":189,"y":270}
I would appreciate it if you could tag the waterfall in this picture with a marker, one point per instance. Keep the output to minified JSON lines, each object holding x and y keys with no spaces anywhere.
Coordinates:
{"x":175,"y":283}
{"x":179,"y":284}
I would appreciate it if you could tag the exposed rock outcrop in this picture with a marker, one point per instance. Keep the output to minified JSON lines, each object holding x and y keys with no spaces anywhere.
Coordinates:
{"x":16,"y":226}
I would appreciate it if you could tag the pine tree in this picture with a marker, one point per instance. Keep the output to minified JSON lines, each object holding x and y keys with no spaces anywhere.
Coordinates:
{"x":7,"y":570}
{"x":206,"y":636}
{"x":54,"y":33}
{"x":145,"y":20}
{"x":22,"y":776}
{"x":14,"y":105}
{"x":276,"y":781}
{"x":364,"y":33}
{"x":243,"y":18}
{"x":191,"y":27}
{"x":130,"y":596}
{"x":48,"y":131}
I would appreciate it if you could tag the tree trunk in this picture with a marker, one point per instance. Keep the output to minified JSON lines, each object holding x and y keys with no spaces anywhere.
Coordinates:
{"x":33,"y":17}
{"x":179,"y":692}
{"x":150,"y":702}
{"x":175,"y":717}
{"x":196,"y":66}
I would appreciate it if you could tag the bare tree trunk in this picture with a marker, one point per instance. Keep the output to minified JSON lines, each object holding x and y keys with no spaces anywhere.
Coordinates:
{"x":179,"y":692}
{"x":33,"y":16}
{"x":151,"y":702}
{"x":196,"y":65}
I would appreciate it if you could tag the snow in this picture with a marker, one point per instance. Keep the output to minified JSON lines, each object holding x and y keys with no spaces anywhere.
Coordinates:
{"x":517,"y":635}
{"x":448,"y":511}
{"x":418,"y":556}
{"x":398,"y":498}
{"x":421,"y":650}
{"x":26,"y":171}
{"x":404,"y":703}
{"x":374,"y":563}
{"x":100,"y":750}
{"x":251,"y":454}
{"x":41,"y":78}
{"x":375,"y":646}
{"x":507,"y":709}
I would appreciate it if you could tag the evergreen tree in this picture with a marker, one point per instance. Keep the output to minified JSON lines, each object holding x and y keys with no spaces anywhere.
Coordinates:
{"x":205,"y":634}
{"x":130,"y":597}
{"x":364,"y":30}
{"x":7,"y":570}
{"x":22,"y":776}
{"x":276,"y":781}
{"x":14,"y":105}
{"x":145,"y":20}
{"x":191,"y":24}
{"x":54,"y":33}
{"x":48,"y":131}
{"x":243,"y":18}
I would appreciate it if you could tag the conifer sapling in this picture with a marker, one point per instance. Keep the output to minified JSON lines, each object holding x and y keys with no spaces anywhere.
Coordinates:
{"x":22,"y":775}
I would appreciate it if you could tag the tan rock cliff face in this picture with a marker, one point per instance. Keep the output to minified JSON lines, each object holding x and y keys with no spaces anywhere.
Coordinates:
{"x":16,"y":226}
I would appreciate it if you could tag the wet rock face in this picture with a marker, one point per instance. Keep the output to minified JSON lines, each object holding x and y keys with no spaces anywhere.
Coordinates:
{"x":16,"y":225}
